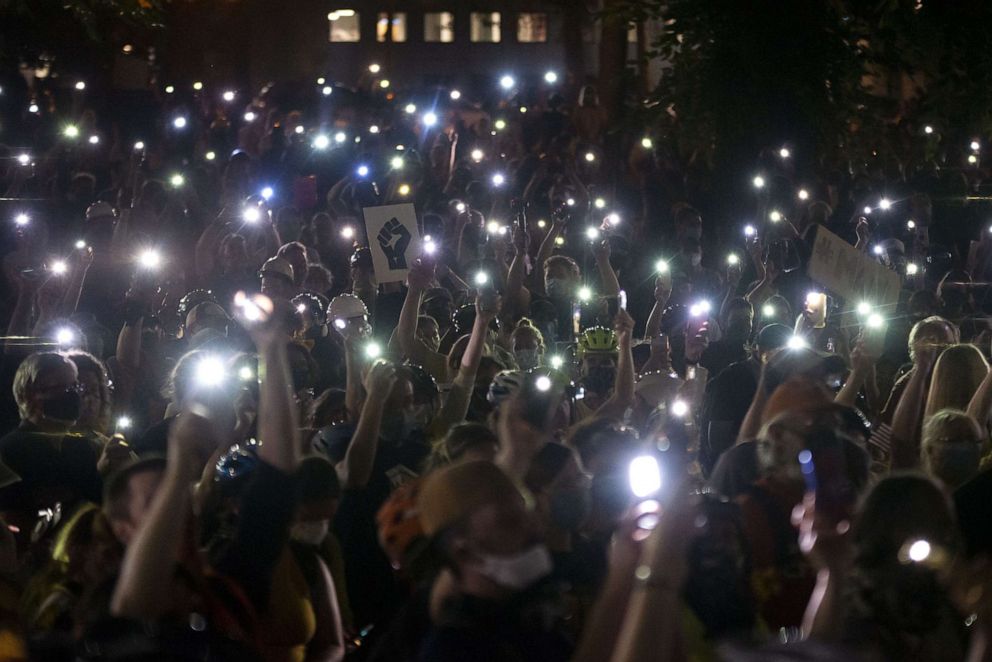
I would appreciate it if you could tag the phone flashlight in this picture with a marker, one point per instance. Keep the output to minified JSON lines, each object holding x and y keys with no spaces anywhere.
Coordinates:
{"x":700,"y":308}
{"x":775,"y":216}
{"x":24,"y":159}
{"x":498,"y":179}
{"x":912,"y":269}
{"x":492,"y":227}
{"x":251,"y":215}
{"x":321,"y":142}
{"x":557,"y":362}
{"x":149,"y":258}
{"x":21,"y":220}
{"x":585,"y":294}
{"x":179,"y":122}
{"x":64,"y":336}
{"x":403,"y":190}
{"x":679,"y":408}
{"x":481,"y":278}
{"x":910,"y":224}
{"x":613,"y":218}
{"x":768,"y":310}
{"x":245,"y":373}
{"x":124,"y":422}
{"x":599,"y":203}
{"x":177,"y":180}
{"x":80,"y":244}
{"x":622,"y":299}
{"x":644,"y":476}
{"x":210,"y":372}
{"x":59,"y":267}
{"x":477,"y":155}
{"x":796,"y":342}
{"x":803,"y":194}
{"x":750,"y":231}
{"x":592,"y":233}
{"x":875,"y":321}
{"x":373,"y":350}
{"x":864,"y":308}
{"x":267,"y":192}
{"x":362,"y":171}
{"x":733,"y":260}
{"x":758,"y":182}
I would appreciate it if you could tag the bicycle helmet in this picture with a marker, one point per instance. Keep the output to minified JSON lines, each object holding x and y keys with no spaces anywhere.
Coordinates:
{"x":597,"y":339}
{"x":504,"y":385}
{"x":425,"y":387}
{"x":191,"y":300}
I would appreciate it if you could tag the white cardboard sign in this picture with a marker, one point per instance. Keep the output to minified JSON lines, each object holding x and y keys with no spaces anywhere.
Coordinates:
{"x":393,"y":239}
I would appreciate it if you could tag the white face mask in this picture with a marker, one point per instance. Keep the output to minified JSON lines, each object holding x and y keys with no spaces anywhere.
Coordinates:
{"x":310,"y":533}
{"x":518,"y":571}
{"x":527,"y":358}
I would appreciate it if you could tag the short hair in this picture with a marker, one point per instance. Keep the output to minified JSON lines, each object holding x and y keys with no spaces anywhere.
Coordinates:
{"x":562,"y":261}
{"x":117,"y":488}
{"x":929,"y":324}
{"x":28,"y":373}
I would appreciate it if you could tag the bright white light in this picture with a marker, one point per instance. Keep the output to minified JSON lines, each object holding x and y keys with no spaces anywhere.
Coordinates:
{"x":972,"y":159}
{"x":866,"y":210}
{"x":550,"y":77}
{"x":80,"y":244}
{"x":975,"y":145}
{"x":877,"y":250}
{"x":396,"y":163}
{"x":169,"y":89}
{"x":363,"y":171}
{"x":599,"y":203}
{"x":374,"y":129}
{"x":910,"y":224}
{"x":864,"y":308}
{"x":347,"y":232}
{"x":613,"y":218}
{"x":229,"y":96}
{"x":477,"y":155}
{"x":24,"y":159}
{"x":768,"y":310}
{"x":149,"y":258}
{"x":80,"y":85}
{"x":250,"y":116}
{"x":94,"y":140}
{"x":919,"y":551}
{"x":430,"y":248}
{"x":492,"y":227}
{"x":245,"y":373}
{"x":758,"y":181}
{"x":499,"y":124}
{"x":498,"y":179}
{"x":455,"y":95}
{"x":570,"y":202}
{"x":321,"y":142}
{"x":543,"y":383}
{"x":123,"y":422}
{"x":647,"y":143}
{"x":429,"y":119}
{"x":267,"y":192}
{"x":557,"y":362}
{"x":784,"y":153}
{"x":34,"y":109}
{"x":340,"y":137}
{"x":750,"y":231}
{"x":327,"y":90}
{"x":644,"y":475}
{"x":177,"y":180}
{"x":928,"y":129}
{"x":796,"y":342}
{"x":481,"y":278}
{"x":21,"y":220}
{"x":210,"y":156}
{"x":301,"y":307}
{"x":403,"y":190}
{"x":71,"y":131}
{"x":590,"y":157}
{"x":885,"y":204}
{"x":197,"y":86}
{"x":875,"y":321}
{"x":384,"y":83}
{"x":251,"y":215}
{"x":59,"y":267}
{"x":679,"y":408}
{"x":661,"y":266}
{"x":803,"y":194}
{"x":373,"y":350}
{"x":559,"y":241}
{"x":210,"y":372}
{"x":541,"y":223}
{"x":461,"y":207}
{"x":64,"y":336}
{"x":592,"y":233}
{"x":507,"y":82}
{"x":410,"y":109}
{"x":733,"y":260}
{"x":374,"y":68}
{"x":138,"y":146}
{"x":339,"y":323}
{"x":775,"y":216}
{"x":700,"y":308}
{"x":179,"y":122}
{"x":912,"y":269}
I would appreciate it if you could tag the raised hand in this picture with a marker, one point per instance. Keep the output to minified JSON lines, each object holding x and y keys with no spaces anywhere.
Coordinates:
{"x":421,"y":275}
{"x":380,"y":380}
{"x":394,"y":239}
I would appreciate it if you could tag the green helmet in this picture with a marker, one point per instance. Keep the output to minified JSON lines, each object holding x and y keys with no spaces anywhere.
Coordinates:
{"x":597,"y":339}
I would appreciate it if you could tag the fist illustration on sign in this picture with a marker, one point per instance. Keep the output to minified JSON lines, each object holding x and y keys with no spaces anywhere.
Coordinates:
{"x":394,"y":239}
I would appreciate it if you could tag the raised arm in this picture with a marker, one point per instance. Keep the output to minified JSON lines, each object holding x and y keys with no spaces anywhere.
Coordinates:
{"x":278,"y":418}
{"x":906,"y":420}
{"x":662,"y":293}
{"x":455,"y":406}
{"x":862,"y":370}
{"x":74,"y":287}
{"x":623,"y":389}
{"x":418,"y":280}
{"x":547,"y":249}
{"x":356,"y":467}
{"x":517,"y":296}
{"x":981,"y":402}
{"x":608,"y":283}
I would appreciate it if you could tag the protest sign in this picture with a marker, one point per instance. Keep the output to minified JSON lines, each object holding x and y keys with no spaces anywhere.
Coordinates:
{"x":393,"y":239}
{"x":845,"y":271}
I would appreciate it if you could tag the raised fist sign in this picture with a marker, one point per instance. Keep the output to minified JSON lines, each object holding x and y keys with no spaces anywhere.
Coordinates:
{"x":394,"y":239}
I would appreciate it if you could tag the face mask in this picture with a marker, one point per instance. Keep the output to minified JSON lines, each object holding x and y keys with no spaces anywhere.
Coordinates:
{"x":397,"y":427}
{"x":557,"y":288}
{"x":956,"y":462}
{"x":518,"y":571}
{"x":310,"y":533}
{"x":695,"y":259}
{"x":600,"y":380}
{"x":63,"y":407}
{"x":527,"y":358}
{"x":569,"y":508}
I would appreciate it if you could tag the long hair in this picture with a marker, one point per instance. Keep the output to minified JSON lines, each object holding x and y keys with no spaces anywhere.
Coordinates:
{"x":956,"y":376}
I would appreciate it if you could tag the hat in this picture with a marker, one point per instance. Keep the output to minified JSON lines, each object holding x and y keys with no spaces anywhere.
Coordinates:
{"x":99,"y":210}
{"x":773,"y":336}
{"x":455,"y":492}
{"x":797,"y":394}
{"x":346,"y":306}
{"x":277,"y":265}
{"x":204,"y":311}
{"x":657,"y":387}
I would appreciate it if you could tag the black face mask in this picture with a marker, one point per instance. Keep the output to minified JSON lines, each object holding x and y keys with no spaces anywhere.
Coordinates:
{"x":600,"y":380}
{"x":63,"y":407}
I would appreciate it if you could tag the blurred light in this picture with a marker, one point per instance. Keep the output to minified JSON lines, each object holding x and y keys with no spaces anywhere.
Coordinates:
{"x":498,"y":179}
{"x":647,"y":143}
{"x":559,"y":241}
{"x":644,"y":476}
{"x":570,"y":202}
{"x":374,"y":68}
{"x":80,"y":85}
{"x":523,"y":109}
{"x":24,"y":159}
{"x":33,"y":108}
{"x":507,"y":82}
{"x":928,"y":129}
{"x":543,"y":383}
{"x":550,"y":77}
{"x":590,"y":157}
{"x":885,"y":204}
{"x":455,"y":95}
{"x":410,"y":109}
{"x":123,"y":422}
{"x":542,"y":223}
{"x":910,"y":224}
{"x":374,"y":129}
{"x":59,"y":267}
{"x":251,"y":215}
{"x":972,"y":159}
{"x":363,"y":171}
{"x":396,"y":163}
{"x":384,"y":83}
{"x":557,"y":362}
{"x":750,"y":231}
{"x":21,"y":220}
{"x":340,"y":137}
{"x":492,"y":227}
{"x":94,"y":140}
{"x":919,"y":551}
{"x":71,"y":131}
{"x":267,"y":192}
{"x":784,"y":153}
{"x":877,"y":250}
{"x":480,"y":278}
{"x":975,"y":145}
{"x":680,"y":408}
{"x":80,"y":244}
{"x":228,"y":96}
{"x":661,"y":266}
{"x":477,"y":155}
{"x":197,"y":86}
{"x":796,"y":342}
{"x":245,"y":374}
{"x":758,"y":181}
{"x":210,"y":371}
{"x":733,"y":260}
{"x":803,"y":194}
{"x":179,"y":122}
{"x":404,"y":190}
{"x":599,"y":203}
{"x":321,"y":142}
{"x":348,"y":232}
{"x":250,"y":116}
{"x":875,"y":321}
{"x":138,"y":146}
{"x":430,"y":247}
{"x":210,"y":156}
{"x":429,"y":119}
{"x":912,"y":269}
{"x":775,"y":216}
{"x":613,"y":218}
{"x":460,"y":207}
{"x":700,"y":308}
{"x":373,"y":350}
{"x":500,"y":124}
{"x":768,"y":310}
{"x":864,"y":308}
{"x":866,"y":210}
{"x":592,"y":233}
{"x":64,"y":336}
{"x":585,"y":293}
{"x":149,"y":258}
{"x":177,"y":180}
{"x":169,"y":89}
{"x":327,"y":90}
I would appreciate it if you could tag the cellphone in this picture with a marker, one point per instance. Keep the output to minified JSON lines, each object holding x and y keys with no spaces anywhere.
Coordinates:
{"x":666,"y":278}
{"x":816,"y":305}
{"x":516,"y":209}
{"x":823,"y":467}
{"x":696,"y":325}
{"x":613,"y":306}
{"x":874,"y":340}
{"x":540,"y":395}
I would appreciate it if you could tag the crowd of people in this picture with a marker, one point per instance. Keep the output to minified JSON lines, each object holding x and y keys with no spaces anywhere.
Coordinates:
{"x":593,"y":422}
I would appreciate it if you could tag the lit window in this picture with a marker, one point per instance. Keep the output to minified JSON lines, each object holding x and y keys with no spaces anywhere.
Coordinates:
{"x":344,"y":25}
{"x":532,"y":27}
{"x":632,"y":33}
{"x":439,"y":26}
{"x":391,"y":27}
{"x":485,"y":27}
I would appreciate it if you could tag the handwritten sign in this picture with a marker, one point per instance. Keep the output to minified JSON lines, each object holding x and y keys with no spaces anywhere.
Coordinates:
{"x":394,"y":240}
{"x":847,"y":272}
